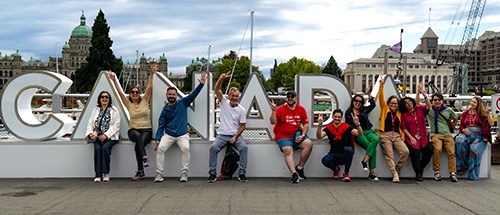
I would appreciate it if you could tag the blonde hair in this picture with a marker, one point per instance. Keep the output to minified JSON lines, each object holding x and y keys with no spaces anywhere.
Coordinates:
{"x":480,"y":109}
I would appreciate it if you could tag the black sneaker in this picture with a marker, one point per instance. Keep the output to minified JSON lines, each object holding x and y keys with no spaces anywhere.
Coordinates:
{"x":212,"y":178}
{"x":301,"y":173}
{"x":242,"y":178}
{"x":295,"y":178}
{"x":364,"y":165}
{"x":372,"y":177}
{"x":419,"y":177}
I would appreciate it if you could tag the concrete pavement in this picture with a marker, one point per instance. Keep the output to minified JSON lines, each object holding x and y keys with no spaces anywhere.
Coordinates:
{"x":257,"y":196}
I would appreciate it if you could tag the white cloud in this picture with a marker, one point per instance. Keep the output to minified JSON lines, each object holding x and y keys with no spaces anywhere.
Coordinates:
{"x":183,"y":30}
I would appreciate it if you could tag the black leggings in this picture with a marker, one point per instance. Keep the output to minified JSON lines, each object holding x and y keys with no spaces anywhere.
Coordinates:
{"x":141,"y":137}
{"x":420,"y":158}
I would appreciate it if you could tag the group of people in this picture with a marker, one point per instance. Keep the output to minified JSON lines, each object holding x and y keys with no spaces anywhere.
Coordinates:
{"x":402,"y":127}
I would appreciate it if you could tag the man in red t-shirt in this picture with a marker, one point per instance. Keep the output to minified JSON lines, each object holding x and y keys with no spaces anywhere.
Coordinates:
{"x":290,"y":129}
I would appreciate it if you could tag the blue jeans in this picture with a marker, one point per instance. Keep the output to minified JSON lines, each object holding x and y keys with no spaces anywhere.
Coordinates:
{"x":333,"y":160}
{"x":220,"y":142}
{"x":102,"y":156}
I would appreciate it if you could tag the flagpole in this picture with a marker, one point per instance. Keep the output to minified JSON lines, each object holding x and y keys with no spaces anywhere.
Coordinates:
{"x":403,"y":82}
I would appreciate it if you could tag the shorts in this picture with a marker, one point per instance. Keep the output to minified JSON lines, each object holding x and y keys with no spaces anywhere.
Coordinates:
{"x":290,"y":142}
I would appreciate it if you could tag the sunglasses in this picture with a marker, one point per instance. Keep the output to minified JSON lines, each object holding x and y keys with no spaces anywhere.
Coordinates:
{"x":290,"y":96}
{"x":135,"y":92}
{"x":358,"y":101}
{"x":436,"y":100}
{"x":104,"y":97}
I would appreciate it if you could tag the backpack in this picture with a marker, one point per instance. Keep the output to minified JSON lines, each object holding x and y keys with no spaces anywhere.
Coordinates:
{"x":230,"y":163}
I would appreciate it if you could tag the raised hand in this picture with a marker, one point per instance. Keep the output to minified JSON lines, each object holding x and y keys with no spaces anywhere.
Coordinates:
{"x":203,"y":78}
{"x":368,"y":89}
{"x":273,"y":105}
{"x":320,"y":119}
{"x":488,"y":108}
{"x":154,"y":68}
{"x":111,"y":75}
{"x":225,"y":75}
{"x":355,"y":119}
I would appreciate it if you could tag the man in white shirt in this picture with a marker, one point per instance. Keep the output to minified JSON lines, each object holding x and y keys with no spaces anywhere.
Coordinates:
{"x":232,"y":124}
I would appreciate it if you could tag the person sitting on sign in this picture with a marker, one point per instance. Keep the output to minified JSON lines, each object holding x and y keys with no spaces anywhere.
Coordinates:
{"x":475,"y":125}
{"x":390,"y":133}
{"x":340,"y":136}
{"x":232,"y":124}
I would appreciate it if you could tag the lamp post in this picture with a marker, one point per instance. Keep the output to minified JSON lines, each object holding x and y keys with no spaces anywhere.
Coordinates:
{"x":57,"y":60}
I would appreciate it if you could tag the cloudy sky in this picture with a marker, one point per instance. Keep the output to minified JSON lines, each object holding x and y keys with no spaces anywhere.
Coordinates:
{"x":184,"y":29}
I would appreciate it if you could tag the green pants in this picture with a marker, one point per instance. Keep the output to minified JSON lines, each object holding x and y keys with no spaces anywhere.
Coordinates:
{"x":369,"y":141}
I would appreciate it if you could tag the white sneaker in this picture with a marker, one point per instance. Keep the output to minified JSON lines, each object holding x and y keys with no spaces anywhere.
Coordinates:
{"x":105,"y":177}
{"x":158,"y":177}
{"x":97,"y":179}
{"x":184,"y":177}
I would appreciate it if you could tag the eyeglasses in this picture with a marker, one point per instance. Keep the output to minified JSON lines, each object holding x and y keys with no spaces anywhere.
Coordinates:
{"x":436,"y":100}
{"x":358,"y":101}
{"x":104,"y":97}
{"x":135,"y":92}
{"x":290,"y":96}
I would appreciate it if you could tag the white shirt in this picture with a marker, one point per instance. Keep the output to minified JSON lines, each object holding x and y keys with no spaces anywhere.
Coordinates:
{"x":230,"y":117}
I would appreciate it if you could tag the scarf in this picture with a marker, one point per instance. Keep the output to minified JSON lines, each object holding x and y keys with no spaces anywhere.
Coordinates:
{"x":339,"y":131}
{"x":102,"y":121}
{"x":436,"y":115}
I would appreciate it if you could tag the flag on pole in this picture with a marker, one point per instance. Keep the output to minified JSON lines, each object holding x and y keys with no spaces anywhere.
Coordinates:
{"x":396,"y":47}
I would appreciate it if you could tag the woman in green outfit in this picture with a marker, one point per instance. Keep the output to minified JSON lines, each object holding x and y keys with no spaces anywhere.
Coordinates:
{"x":369,"y":140}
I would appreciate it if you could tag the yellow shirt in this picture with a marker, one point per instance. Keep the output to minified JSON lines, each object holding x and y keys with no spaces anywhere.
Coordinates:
{"x":384,"y":109}
{"x":140,"y":116}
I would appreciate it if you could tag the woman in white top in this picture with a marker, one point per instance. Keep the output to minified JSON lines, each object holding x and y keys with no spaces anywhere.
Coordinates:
{"x":103,"y":130}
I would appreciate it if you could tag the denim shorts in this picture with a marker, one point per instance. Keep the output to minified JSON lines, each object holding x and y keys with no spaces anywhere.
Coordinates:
{"x":290,"y":142}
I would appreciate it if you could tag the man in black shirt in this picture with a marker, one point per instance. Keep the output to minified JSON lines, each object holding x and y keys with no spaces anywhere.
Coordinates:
{"x":341,"y":139}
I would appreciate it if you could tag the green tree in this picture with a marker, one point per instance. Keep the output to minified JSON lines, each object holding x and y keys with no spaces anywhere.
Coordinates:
{"x":241,"y":70}
{"x":100,"y":58}
{"x":333,"y":68}
{"x":284,"y":73}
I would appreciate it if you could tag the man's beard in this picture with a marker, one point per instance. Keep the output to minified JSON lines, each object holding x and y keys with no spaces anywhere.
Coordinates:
{"x":290,"y":102}
{"x":171,"y":100}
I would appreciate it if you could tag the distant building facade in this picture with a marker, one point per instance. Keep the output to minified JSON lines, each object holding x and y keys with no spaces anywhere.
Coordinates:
{"x":74,"y":53}
{"x":433,"y":62}
{"x":363,"y":72}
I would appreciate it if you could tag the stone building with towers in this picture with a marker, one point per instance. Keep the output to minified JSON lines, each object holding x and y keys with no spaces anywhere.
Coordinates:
{"x":73,"y":54}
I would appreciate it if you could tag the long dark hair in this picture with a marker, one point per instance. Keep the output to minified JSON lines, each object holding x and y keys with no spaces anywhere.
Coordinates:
{"x":354,"y":98}
{"x":99,"y":99}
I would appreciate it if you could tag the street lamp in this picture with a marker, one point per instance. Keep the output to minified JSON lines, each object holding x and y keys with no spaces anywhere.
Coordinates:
{"x":57,"y":60}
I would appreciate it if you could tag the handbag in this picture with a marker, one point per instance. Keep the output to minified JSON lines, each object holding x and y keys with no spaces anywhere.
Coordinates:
{"x":450,"y":124}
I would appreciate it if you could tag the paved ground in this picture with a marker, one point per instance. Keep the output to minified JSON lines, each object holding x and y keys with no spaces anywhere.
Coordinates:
{"x":257,"y":196}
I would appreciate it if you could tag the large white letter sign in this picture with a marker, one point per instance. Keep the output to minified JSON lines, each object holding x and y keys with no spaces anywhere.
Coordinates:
{"x":307,"y":84}
{"x":254,"y":95}
{"x":16,"y":111}
{"x":198,"y":113}
{"x":102,"y":84}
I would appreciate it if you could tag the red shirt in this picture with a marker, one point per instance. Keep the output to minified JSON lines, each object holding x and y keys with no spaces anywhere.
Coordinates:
{"x":288,"y":122}
{"x":415,"y":123}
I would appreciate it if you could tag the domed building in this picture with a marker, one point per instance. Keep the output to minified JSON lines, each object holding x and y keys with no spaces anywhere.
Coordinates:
{"x":75,"y":51}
